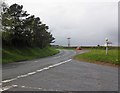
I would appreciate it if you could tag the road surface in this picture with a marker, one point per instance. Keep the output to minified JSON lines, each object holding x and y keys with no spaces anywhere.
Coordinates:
{"x":59,"y":73}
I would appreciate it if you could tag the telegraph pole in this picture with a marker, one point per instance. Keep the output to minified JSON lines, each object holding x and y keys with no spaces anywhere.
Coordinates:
{"x":68,"y":41}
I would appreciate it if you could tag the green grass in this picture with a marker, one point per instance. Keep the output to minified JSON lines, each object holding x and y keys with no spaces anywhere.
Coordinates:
{"x":14,"y":54}
{"x":99,"y":55}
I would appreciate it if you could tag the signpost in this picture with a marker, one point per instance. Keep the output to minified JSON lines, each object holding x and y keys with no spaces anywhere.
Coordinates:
{"x":68,"y":41}
{"x":107,"y":42}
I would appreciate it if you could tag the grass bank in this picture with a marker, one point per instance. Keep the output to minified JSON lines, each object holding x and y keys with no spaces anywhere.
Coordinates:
{"x":14,"y":54}
{"x":99,"y":55}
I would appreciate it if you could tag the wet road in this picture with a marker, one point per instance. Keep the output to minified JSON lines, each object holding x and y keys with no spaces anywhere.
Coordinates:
{"x":59,"y":73}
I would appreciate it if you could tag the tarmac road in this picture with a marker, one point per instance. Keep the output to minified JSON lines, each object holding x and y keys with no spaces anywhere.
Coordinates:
{"x":59,"y":73}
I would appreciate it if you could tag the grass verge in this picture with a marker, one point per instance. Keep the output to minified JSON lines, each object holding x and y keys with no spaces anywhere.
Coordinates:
{"x":99,"y":55}
{"x":14,"y":54}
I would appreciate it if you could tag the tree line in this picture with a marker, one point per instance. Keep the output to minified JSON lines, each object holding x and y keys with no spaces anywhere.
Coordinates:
{"x":21,"y":29}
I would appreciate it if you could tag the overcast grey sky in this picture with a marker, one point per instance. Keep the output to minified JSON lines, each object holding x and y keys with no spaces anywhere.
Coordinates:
{"x":87,"y":22}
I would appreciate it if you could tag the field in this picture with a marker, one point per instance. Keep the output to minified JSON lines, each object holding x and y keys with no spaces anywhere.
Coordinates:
{"x":14,"y":54}
{"x":99,"y":55}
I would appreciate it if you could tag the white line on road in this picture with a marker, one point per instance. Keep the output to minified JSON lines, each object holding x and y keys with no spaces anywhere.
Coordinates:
{"x":36,"y":61}
{"x":5,"y":81}
{"x":26,"y":87}
{"x":7,"y":87}
{"x":31,"y":73}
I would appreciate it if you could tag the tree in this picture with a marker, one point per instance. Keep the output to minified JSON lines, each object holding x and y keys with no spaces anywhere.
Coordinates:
{"x":13,"y":23}
{"x":22,"y":30}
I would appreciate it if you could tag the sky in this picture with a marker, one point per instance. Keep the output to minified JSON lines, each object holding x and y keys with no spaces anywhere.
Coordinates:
{"x":86,"y":22}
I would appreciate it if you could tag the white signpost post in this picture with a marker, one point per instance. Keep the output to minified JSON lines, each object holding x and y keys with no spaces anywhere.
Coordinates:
{"x":68,"y":41}
{"x":107,"y":42}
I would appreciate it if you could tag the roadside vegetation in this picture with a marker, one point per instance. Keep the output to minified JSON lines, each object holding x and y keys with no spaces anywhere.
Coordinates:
{"x":99,"y":55}
{"x":15,"y":55}
{"x":24,"y":36}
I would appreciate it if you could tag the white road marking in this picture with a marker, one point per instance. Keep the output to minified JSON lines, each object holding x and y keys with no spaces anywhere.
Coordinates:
{"x":5,"y":81}
{"x":39,"y":70}
{"x":21,"y":76}
{"x":30,"y":87}
{"x":36,"y":61}
{"x":15,"y":85}
{"x":7,"y":88}
{"x":21,"y":86}
{"x":38,"y":88}
{"x":31,"y":73}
